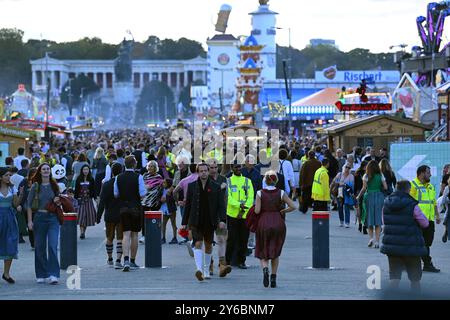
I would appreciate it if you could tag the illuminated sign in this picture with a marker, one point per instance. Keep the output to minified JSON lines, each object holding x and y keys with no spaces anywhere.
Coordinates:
{"x":331,"y":74}
{"x":376,"y":102}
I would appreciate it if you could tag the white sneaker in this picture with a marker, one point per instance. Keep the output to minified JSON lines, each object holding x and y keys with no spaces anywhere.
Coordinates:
{"x":206,"y":274}
{"x":189,"y":247}
{"x":341,"y":224}
{"x":347,"y":225}
{"x":40,"y":280}
{"x":53,"y":280}
{"x":142,"y":240}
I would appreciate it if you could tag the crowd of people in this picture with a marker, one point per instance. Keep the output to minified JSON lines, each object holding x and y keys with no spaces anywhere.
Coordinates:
{"x":118,"y":175}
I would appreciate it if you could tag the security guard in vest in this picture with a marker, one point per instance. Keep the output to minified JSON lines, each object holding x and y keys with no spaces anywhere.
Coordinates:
{"x":423,"y":191}
{"x":240,"y":199}
{"x":170,"y":167}
{"x":305,"y":157}
{"x":216,"y":154}
{"x":321,"y":187}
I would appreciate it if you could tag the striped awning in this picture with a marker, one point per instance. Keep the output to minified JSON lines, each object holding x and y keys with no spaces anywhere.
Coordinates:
{"x":313,"y":110}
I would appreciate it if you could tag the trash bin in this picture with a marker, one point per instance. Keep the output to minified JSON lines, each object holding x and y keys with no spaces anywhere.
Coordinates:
{"x":68,"y":241}
{"x":321,"y":239}
{"x":153,"y":251}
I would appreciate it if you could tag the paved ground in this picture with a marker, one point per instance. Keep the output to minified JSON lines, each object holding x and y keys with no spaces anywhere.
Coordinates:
{"x":349,"y":255}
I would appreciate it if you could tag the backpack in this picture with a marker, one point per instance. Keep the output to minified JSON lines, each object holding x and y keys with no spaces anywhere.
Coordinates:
{"x":281,"y":184}
{"x":68,"y":164}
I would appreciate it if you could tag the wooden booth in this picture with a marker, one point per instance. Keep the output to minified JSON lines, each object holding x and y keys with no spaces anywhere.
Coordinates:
{"x":374,"y":131}
{"x":11,"y":139}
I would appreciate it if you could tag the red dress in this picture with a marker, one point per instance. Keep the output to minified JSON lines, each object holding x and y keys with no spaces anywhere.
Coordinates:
{"x":271,"y":229}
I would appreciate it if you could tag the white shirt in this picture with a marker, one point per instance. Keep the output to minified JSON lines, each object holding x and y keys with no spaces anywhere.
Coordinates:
{"x":14,"y":192}
{"x":288,"y":172}
{"x":270,"y":188}
{"x":18,"y":160}
{"x":64,"y":163}
{"x":297,"y":166}
{"x":142,"y":188}
{"x":107,"y":174}
{"x":16,"y":179}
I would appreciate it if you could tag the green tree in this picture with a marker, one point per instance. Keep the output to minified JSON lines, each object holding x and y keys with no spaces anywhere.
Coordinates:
{"x":156,"y":99}
{"x":76,"y":89}
{"x":185,"y":95}
{"x":14,"y":65}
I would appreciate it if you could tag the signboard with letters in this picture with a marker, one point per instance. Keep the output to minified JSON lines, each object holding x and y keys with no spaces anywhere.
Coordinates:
{"x":332,"y":74}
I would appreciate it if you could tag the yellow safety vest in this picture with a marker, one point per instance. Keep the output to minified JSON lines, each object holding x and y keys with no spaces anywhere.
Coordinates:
{"x":321,"y":185}
{"x":240,"y":190}
{"x":426,"y":195}
{"x":304,"y":159}
{"x":172,"y":159}
{"x":216,"y":154}
{"x":269,"y":152}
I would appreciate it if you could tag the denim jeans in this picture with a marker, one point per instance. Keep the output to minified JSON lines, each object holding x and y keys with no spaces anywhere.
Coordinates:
{"x":46,"y":228}
{"x":341,"y":208}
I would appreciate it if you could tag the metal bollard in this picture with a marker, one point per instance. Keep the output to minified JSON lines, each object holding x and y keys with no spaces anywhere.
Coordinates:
{"x":68,"y":241}
{"x":321,"y":239}
{"x":153,"y":251}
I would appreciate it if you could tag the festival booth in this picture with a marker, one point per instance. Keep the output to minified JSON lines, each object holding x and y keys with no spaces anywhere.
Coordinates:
{"x":11,"y":139}
{"x":38,"y":127}
{"x":374,"y":131}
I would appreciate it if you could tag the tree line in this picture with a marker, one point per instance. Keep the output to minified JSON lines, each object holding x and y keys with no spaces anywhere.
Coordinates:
{"x":15,"y":56}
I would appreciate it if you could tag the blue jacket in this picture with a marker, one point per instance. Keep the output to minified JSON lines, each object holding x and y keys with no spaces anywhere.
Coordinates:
{"x":402,"y":234}
{"x":255,"y":177}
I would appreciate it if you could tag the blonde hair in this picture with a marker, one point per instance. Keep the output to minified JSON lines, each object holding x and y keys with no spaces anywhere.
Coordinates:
{"x":182,"y":159}
{"x":271,"y":178}
{"x":99,"y":153}
{"x":154,"y":164}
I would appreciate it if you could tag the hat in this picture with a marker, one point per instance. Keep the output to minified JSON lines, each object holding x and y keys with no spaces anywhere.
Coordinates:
{"x":58,"y":172}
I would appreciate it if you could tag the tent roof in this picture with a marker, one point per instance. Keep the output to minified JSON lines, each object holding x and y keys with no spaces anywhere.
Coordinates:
{"x":360,"y":121}
{"x":325,"y":97}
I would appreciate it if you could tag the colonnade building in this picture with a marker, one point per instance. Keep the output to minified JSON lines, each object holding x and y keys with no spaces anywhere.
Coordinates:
{"x":177,"y":74}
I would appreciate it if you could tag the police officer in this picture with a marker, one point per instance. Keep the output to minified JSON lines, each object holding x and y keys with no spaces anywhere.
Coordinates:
{"x":321,"y":187}
{"x":240,"y":199}
{"x":423,"y":191}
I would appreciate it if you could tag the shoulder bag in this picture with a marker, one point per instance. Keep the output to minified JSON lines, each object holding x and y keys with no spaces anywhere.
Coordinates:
{"x":35,"y":202}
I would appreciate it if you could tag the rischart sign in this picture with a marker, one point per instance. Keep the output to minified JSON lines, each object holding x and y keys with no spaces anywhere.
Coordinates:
{"x":331,"y":74}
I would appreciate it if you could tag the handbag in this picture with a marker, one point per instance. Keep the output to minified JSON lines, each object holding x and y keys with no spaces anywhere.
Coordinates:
{"x":252,"y":219}
{"x":66,"y":206}
{"x":35,"y":202}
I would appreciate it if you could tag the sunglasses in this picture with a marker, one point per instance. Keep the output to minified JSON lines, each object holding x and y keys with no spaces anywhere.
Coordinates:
{"x":347,"y":168}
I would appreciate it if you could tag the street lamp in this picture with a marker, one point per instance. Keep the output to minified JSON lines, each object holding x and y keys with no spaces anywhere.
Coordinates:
{"x":82,"y":100}
{"x":46,"y":129}
{"x":289,"y":91}
{"x":221,"y":87}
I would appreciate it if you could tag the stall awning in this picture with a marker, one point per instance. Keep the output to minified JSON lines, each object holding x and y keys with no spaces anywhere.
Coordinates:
{"x":325,"y":97}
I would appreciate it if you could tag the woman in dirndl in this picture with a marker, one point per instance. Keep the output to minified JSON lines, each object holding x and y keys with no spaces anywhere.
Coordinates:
{"x":9,"y":230}
{"x":85,"y":194}
{"x":271,"y":228}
